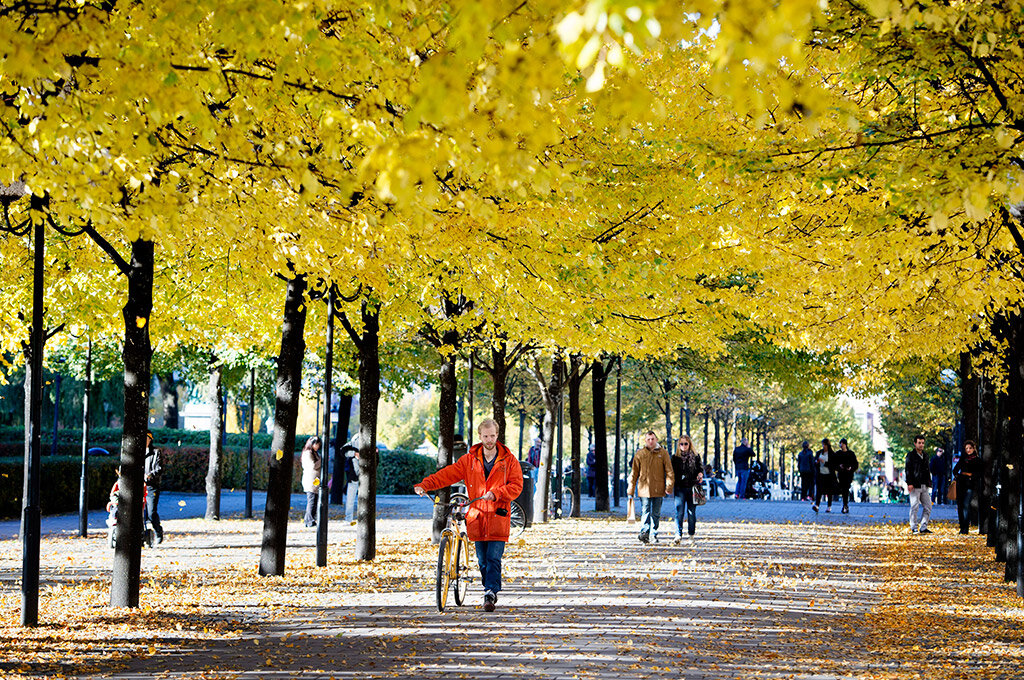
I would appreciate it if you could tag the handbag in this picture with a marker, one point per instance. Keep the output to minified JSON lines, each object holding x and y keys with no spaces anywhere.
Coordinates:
{"x":951,"y":492}
{"x":700,"y":497}
{"x":630,"y":511}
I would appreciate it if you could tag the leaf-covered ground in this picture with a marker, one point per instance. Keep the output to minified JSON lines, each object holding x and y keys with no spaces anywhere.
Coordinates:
{"x":582,"y":599}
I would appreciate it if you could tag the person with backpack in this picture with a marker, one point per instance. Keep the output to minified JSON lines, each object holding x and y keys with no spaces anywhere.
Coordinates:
{"x":152,"y":472}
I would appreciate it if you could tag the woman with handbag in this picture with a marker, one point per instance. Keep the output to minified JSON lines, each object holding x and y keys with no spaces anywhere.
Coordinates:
{"x":826,"y":483}
{"x":688,"y":471}
{"x":967,"y":474}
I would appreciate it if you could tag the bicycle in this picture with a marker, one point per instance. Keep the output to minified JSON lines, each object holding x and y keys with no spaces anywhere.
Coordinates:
{"x":453,"y":554}
{"x":516,"y":515}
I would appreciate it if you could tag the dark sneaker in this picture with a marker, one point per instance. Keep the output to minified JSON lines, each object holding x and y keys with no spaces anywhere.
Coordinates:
{"x":814,"y":507}
{"x":925,"y":531}
{"x":490,"y":599}
{"x":644,"y":538}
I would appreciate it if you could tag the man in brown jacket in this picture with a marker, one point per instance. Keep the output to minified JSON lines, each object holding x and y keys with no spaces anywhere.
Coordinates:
{"x":652,"y":480}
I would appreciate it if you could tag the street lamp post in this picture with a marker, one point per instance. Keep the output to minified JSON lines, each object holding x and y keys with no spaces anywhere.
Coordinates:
{"x":325,"y":464}
{"x":618,"y":426}
{"x":248,"y":460}
{"x":83,"y":482}
{"x":30,"y":530}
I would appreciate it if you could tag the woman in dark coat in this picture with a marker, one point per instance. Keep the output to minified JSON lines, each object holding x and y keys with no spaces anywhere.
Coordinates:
{"x":968,"y":473}
{"x":686,"y":467}
{"x":846,"y":464}
{"x":825,"y":462}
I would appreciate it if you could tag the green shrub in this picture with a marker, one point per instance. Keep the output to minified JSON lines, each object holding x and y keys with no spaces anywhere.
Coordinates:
{"x":398,"y":471}
{"x":59,"y":479}
{"x":184,"y":471}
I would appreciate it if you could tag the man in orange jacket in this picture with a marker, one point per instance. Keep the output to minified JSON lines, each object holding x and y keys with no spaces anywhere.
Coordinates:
{"x":492,"y":474}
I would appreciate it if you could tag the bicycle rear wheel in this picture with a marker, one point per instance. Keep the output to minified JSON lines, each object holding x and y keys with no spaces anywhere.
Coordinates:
{"x":517,"y":519}
{"x":444,"y":563}
{"x":461,"y":571}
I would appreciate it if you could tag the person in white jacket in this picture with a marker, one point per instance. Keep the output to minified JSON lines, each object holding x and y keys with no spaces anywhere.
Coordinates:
{"x":311,"y":459}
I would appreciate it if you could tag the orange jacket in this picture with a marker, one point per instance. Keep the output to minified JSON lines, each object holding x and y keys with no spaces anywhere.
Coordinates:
{"x":485,"y":520}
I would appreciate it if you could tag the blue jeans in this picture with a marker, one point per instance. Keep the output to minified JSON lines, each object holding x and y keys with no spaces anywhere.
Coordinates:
{"x":488,"y":556}
{"x":684,"y":504}
{"x":938,"y":489}
{"x":650,"y":515}
{"x":741,"y":482}
{"x":964,"y":496}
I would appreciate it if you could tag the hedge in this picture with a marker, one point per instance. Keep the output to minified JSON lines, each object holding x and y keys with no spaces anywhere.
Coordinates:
{"x":184,"y":471}
{"x":109,"y":438}
{"x":58,"y":483}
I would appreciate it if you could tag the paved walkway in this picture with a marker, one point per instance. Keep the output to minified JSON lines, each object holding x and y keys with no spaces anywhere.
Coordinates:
{"x":232,"y":505}
{"x":766,"y":589}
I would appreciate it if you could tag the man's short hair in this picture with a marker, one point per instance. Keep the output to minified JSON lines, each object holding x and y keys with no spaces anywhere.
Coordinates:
{"x":918,"y":436}
{"x":650,"y":432}
{"x":487,"y":422}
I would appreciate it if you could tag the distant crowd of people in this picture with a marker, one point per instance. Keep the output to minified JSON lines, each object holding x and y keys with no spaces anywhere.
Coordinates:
{"x":827,"y":474}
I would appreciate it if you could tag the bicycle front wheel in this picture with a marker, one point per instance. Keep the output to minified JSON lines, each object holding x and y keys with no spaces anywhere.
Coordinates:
{"x":444,"y":570}
{"x":461,"y":571}
{"x":517,"y":519}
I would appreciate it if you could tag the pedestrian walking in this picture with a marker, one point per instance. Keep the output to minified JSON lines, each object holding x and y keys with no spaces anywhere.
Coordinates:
{"x":493,"y":475}
{"x":918,"y":479}
{"x":741,"y":456}
{"x":687,"y":469}
{"x":805,"y":466}
{"x":846,"y":466}
{"x":533,"y":457}
{"x":825,"y":482}
{"x":652,"y":479}
{"x":311,"y":461}
{"x":939,"y":467}
{"x":351,"y":480}
{"x":968,"y":473}
{"x":153,"y":472}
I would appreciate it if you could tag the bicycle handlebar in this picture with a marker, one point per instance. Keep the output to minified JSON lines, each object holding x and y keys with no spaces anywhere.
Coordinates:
{"x":457,"y":502}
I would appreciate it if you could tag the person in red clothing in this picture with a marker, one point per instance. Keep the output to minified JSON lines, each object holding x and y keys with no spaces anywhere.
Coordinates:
{"x":492,"y":474}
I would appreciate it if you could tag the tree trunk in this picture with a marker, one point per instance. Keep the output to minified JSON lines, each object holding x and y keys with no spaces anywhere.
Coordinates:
{"x":499,"y":376}
{"x":447,"y":407}
{"x":215,"y":398}
{"x":598,"y":382}
{"x":574,"y":434}
{"x":667,"y":411}
{"x":169,"y":399}
{"x":286,"y":412}
{"x":369,"y":396}
{"x":1014,"y":424}
{"x":137,"y":355}
{"x":550,"y":392}
{"x":718,"y":440}
{"x":988,"y":447}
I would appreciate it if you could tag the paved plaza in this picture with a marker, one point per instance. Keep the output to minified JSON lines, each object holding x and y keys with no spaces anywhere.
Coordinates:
{"x":766,"y":589}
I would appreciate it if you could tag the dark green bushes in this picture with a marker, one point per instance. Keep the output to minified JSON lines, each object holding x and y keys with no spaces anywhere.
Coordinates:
{"x":184,"y":471}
